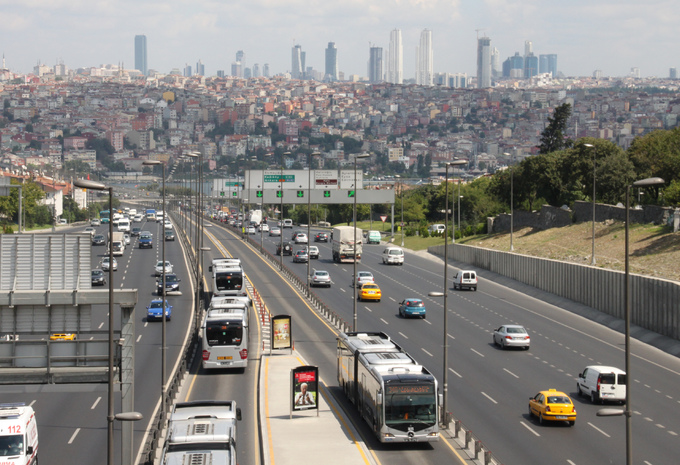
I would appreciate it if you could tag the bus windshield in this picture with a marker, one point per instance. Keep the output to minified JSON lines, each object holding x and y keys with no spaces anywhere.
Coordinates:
{"x":409,"y":403}
{"x":224,"y":333}
{"x":229,"y":281}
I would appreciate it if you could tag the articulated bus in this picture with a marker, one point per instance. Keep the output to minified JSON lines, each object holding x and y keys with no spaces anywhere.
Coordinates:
{"x":396,"y":396}
{"x":224,"y":339}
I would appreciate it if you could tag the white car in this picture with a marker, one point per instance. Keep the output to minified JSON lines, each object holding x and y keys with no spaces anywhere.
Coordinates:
{"x":363,"y":277}
{"x":512,"y":336}
{"x":275,"y":231}
{"x":313,"y":252}
{"x":320,"y":278}
{"x":95,"y":222}
{"x":301,"y":238}
{"x":168,"y":224}
{"x":91,"y":230}
{"x":264,"y":227}
{"x":250,"y":230}
{"x":159,"y":268}
{"x":126,"y":238}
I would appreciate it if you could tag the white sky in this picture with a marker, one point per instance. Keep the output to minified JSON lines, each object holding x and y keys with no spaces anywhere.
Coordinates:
{"x":611,"y":35}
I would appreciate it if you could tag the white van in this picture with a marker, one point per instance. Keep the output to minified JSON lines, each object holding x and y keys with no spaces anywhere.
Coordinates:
{"x":124,"y":225}
{"x":287,"y":223}
{"x":18,"y":434}
{"x":373,"y":237}
{"x":465,"y":279}
{"x":393,"y":256}
{"x":602,"y":383}
{"x":437,"y":228}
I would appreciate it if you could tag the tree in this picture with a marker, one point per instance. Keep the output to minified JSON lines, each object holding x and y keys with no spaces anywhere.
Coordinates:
{"x":657,"y":154}
{"x":552,"y":137}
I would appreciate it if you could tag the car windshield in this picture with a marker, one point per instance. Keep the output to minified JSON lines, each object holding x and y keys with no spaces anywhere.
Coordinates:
{"x":156,"y":304}
{"x":97,"y":273}
{"x":170,"y":278}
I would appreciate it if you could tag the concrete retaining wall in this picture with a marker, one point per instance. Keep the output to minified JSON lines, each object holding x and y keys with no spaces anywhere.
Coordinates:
{"x":655,"y":303}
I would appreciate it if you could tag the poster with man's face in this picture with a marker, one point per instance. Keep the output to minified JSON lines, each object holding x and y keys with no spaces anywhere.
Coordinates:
{"x":305,"y":388}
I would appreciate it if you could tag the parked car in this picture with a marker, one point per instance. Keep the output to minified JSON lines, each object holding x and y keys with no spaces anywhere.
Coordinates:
{"x":602,"y":383}
{"x":465,"y":279}
{"x":369,"y":291}
{"x":287,"y":249}
{"x":412,"y":307}
{"x":159,"y":268}
{"x":512,"y":336}
{"x":155,"y":310}
{"x":436,"y":228}
{"x":552,"y":405}
{"x":313,"y":252}
{"x":320,"y":278}
{"x":171,"y":284}
{"x":301,"y":256}
{"x":105,"y":264}
{"x":98,"y":277}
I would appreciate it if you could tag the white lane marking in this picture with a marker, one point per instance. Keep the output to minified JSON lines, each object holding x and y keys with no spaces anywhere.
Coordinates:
{"x":426,"y":352}
{"x":403,"y":335}
{"x":478,"y":353}
{"x":74,"y":435}
{"x":570,"y":462}
{"x":455,"y":372}
{"x":428,"y":322}
{"x":393,"y":299}
{"x":510,"y":372}
{"x":100,"y":325}
{"x":139,"y":338}
{"x":343,"y":290}
{"x":598,"y":429}
{"x":383,"y":320}
{"x":95,"y":403}
{"x":450,"y":336}
{"x":660,"y":426}
{"x":529,"y":428}
{"x":489,"y":397}
{"x":672,"y":433}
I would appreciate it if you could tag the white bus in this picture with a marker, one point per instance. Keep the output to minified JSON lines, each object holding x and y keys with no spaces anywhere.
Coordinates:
{"x":228,"y":277}
{"x":224,"y":338}
{"x":395,"y":395}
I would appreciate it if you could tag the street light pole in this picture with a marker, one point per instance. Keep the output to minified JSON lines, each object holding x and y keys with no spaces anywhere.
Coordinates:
{"x":354,"y":278}
{"x":86,"y":184}
{"x":309,"y":215}
{"x":282,"y":180}
{"x":592,"y":255}
{"x":512,"y":203}
{"x":163,"y":298}
{"x":401,"y":192}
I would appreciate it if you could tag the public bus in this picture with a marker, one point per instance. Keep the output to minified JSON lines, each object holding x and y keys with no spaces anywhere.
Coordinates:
{"x":395,"y":395}
{"x":228,"y":277}
{"x":224,"y":339}
{"x":104,"y":216}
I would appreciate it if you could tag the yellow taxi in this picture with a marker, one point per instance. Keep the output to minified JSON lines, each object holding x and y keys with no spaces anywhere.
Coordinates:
{"x":552,"y":405}
{"x":63,"y":337}
{"x":369,"y":291}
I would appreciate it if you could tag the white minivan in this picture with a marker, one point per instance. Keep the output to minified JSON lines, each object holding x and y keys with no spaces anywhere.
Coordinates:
{"x":124,"y":225}
{"x":393,"y":256}
{"x":18,"y":434}
{"x":602,"y":383}
{"x":465,"y":279}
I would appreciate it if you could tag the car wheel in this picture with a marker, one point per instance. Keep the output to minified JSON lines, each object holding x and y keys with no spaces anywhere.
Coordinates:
{"x":503,"y":344}
{"x":540,"y":418}
{"x":578,"y":390}
{"x":495,"y":342}
{"x":593,"y":397}
{"x":572,"y":422}
{"x":423,"y":317}
{"x":526,"y":348}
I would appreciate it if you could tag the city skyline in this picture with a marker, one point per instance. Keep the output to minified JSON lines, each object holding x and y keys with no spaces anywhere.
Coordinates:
{"x":610,"y":36}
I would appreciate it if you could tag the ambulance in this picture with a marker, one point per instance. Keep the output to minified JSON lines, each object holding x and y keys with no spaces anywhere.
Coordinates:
{"x":18,"y":435}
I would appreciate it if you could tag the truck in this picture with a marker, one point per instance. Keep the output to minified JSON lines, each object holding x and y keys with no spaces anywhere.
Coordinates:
{"x":118,"y":243}
{"x":151,"y":214}
{"x":255,"y":217}
{"x":18,"y":434}
{"x":343,"y":246}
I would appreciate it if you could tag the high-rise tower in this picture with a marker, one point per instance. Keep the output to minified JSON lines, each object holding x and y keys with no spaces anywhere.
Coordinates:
{"x":297,"y":63}
{"x":395,"y":65}
{"x":424,"y":57}
{"x":140,"y":54}
{"x":548,"y":64}
{"x":331,"y":72}
{"x":375,"y":64}
{"x":483,"y":62}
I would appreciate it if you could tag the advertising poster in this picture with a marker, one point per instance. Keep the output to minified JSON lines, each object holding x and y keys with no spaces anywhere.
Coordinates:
{"x":305,"y":388}
{"x":281,"y":332}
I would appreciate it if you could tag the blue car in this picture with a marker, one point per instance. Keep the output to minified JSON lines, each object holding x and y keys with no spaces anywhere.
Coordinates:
{"x":412,"y":307}
{"x":155,"y":312}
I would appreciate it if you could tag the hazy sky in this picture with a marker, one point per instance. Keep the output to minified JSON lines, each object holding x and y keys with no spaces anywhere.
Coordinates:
{"x":611,"y":35}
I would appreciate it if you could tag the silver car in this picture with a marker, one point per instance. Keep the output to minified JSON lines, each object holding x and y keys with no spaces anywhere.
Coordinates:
{"x":512,"y":336}
{"x":275,"y":231}
{"x":320,"y":278}
{"x":159,"y":268}
{"x":105,"y":264}
{"x":362,"y":278}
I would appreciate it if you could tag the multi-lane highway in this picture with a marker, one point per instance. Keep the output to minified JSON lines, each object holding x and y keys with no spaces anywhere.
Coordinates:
{"x":488,"y":388}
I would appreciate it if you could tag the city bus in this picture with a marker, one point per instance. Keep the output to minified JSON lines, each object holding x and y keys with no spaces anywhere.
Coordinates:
{"x":104,"y":216}
{"x":228,"y":277}
{"x":224,"y":339}
{"x":395,"y":395}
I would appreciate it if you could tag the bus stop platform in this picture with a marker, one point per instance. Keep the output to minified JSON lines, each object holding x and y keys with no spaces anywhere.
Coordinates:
{"x":327,"y":438}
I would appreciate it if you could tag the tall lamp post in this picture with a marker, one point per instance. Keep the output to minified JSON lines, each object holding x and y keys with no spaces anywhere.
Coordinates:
{"x":512,"y":202}
{"x":163,"y":299}
{"x":309,"y":214}
{"x":354,"y":277}
{"x":197,"y":245}
{"x":628,"y":411}
{"x":96,"y":186}
{"x":401,"y":195}
{"x":592,"y":255}
{"x":282,"y":180}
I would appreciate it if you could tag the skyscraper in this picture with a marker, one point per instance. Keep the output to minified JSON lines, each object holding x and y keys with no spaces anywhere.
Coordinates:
{"x":375,"y":64}
{"x":256,"y":70}
{"x":200,"y":68}
{"x":395,"y":65}
{"x":530,"y":66}
{"x":265,"y":70}
{"x":528,"y":47}
{"x":424,"y":57}
{"x":495,"y":62}
{"x":140,"y":55}
{"x":483,"y":62}
{"x":297,"y":63}
{"x":331,"y":73}
{"x":548,"y":64}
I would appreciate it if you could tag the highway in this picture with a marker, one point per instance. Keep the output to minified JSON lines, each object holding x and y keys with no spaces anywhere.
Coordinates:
{"x":488,"y":388}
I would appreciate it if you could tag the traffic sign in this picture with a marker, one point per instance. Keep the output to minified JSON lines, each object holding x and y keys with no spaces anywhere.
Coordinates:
{"x":259,"y":194}
{"x":279,"y":178}
{"x":230,"y":184}
{"x":350,"y":193}
{"x":383,"y":218}
{"x":327,"y":194}
{"x":300,"y":194}
{"x":279,"y":194}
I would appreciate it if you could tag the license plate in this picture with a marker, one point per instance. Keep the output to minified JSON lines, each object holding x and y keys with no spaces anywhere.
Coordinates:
{"x":224,"y":358}
{"x":225,"y":363}
{"x":561,"y":417}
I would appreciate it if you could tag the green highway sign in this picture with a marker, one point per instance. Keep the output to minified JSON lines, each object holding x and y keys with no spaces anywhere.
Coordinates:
{"x":350,"y":193}
{"x":234,"y":194}
{"x":259,"y":194}
{"x":279,"y":178}
{"x":279,"y":194}
{"x":230,"y":184}
{"x":327,"y":194}
{"x":300,"y":193}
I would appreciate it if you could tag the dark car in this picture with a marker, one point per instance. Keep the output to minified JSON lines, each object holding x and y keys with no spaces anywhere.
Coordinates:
{"x":98,"y":278}
{"x":169,"y":235}
{"x":321,"y":237}
{"x":98,"y":239}
{"x":171,"y":283}
{"x":145,"y":240}
{"x":135,"y":231}
{"x":287,"y":249}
